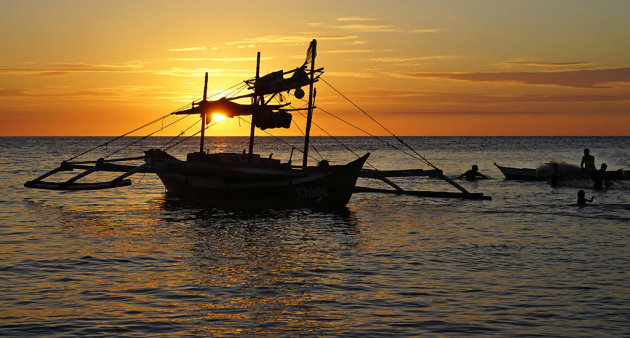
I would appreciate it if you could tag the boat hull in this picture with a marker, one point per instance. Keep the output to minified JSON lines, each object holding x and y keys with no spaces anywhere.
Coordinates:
{"x":523,"y":174}
{"x":528,"y":174}
{"x":320,"y":187}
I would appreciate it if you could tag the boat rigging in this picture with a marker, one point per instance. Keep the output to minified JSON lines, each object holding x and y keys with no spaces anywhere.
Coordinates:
{"x":247,"y":179}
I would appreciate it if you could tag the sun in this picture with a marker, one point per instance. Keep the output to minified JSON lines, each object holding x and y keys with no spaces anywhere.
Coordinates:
{"x":218,"y":117}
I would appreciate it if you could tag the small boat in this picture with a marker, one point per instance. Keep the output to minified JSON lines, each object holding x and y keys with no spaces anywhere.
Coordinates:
{"x":248,"y":179}
{"x":566,"y":172}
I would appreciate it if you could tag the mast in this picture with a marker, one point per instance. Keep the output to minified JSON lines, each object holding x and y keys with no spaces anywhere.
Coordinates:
{"x":255,"y":99}
{"x":203,"y":114}
{"x":309,"y":116}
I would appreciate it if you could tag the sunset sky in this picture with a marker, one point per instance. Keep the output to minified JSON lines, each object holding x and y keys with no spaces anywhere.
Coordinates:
{"x":484,"y":67}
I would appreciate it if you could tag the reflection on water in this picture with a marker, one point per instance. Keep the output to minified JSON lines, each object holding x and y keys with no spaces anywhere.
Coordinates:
{"x":260,"y":266}
{"x":134,"y":261}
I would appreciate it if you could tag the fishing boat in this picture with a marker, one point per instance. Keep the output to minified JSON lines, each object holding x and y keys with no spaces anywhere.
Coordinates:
{"x":567,"y":172}
{"x":247,"y":179}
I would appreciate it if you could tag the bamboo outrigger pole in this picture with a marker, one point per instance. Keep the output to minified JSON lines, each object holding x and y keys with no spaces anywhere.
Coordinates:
{"x":309,"y":116}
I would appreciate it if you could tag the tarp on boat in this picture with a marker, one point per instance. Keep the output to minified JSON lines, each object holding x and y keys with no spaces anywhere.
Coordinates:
{"x":265,"y":116}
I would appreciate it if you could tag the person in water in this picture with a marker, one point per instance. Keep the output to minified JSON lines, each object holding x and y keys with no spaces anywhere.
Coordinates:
{"x":599,"y":178}
{"x":472,"y":174}
{"x":581,"y":200}
{"x":588,"y":161}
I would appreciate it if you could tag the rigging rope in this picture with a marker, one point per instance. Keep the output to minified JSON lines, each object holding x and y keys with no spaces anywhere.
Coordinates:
{"x":368,"y":133}
{"x":311,"y":143}
{"x":341,"y":142}
{"x":118,"y":137}
{"x":372,"y":135}
{"x":146,"y":136}
{"x":188,"y":137}
{"x":178,"y":135}
{"x":240,"y":86}
{"x":382,"y":126}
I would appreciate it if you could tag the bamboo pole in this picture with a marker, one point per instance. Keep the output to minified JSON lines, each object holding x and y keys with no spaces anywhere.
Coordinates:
{"x":309,"y":116}
{"x":255,"y":99}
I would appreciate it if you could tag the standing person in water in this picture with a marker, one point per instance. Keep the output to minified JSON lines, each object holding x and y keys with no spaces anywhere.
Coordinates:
{"x":472,"y":174}
{"x":581,"y":201}
{"x":599,"y":178}
{"x":588,"y":161}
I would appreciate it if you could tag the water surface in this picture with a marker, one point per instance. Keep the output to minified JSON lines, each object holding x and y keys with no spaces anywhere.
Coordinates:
{"x":131,"y":261}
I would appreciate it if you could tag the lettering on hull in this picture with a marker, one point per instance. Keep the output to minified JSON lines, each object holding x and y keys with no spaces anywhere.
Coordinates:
{"x":316,"y":193}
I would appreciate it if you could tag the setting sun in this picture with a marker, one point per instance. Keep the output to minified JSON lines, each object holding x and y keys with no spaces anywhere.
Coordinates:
{"x":218,"y":117}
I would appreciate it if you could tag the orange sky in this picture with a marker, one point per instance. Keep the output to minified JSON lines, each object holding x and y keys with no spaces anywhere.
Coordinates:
{"x":487,"y":67}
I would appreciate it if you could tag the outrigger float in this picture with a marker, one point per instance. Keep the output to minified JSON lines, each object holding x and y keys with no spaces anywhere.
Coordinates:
{"x":247,"y":179}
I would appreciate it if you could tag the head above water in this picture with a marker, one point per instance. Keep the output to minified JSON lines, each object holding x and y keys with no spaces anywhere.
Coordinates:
{"x":581,"y":193}
{"x":586,"y":151}
{"x":475,"y":167}
{"x":604,"y":166}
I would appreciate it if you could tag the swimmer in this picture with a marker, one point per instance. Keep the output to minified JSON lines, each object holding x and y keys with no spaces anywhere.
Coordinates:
{"x":472,"y":174}
{"x":581,"y":200}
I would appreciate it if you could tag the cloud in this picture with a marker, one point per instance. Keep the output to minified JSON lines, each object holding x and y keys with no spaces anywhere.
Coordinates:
{"x":367,"y":28}
{"x":235,"y":59}
{"x":289,"y":39}
{"x":362,"y":75}
{"x":585,"y":78}
{"x":348,"y":51}
{"x":546,"y":64}
{"x":354,"y":18}
{"x":426,"y":30}
{"x":98,"y":67}
{"x":188,"y":49}
{"x":410,"y":58}
{"x":64,"y":92}
{"x":69,"y":69}
{"x":480,"y":102}
{"x":470,"y":112}
{"x":194,"y":72}
{"x":475,"y":98}
{"x":13,"y":93}
{"x":57,"y":69}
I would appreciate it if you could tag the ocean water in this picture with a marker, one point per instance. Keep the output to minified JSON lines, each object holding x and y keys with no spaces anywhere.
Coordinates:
{"x":131,"y":261}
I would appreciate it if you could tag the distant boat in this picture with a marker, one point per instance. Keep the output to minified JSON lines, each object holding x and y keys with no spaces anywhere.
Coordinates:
{"x":565,"y":172}
{"x":248,"y":179}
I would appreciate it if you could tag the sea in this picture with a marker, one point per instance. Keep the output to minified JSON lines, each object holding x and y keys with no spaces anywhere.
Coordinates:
{"x":133,"y":261}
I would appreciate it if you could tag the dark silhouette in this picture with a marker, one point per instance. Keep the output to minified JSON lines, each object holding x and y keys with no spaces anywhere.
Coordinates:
{"x":599,"y":178}
{"x":581,"y":200}
{"x":555,"y":174}
{"x":588,"y":161}
{"x":472,"y":174}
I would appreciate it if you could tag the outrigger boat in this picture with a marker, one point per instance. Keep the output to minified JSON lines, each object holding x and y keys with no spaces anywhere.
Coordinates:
{"x":248,"y":179}
{"x":568,"y":172}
